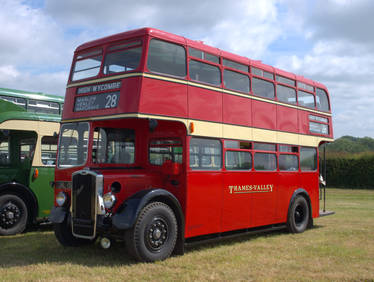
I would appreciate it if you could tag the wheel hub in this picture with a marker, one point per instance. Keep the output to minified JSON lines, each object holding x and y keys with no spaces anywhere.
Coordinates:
{"x":9,"y":215}
{"x":157,"y":234}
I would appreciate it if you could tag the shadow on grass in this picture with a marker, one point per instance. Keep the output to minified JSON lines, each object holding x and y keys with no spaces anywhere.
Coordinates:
{"x":40,"y":246}
{"x":241,"y":237}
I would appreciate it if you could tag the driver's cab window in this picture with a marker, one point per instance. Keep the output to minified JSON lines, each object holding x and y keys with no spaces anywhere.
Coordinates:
{"x":114,"y":146}
{"x":161,"y":150}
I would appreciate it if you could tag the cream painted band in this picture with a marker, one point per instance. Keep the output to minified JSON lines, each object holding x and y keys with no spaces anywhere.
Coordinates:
{"x":180,"y":81}
{"x":228,"y":131}
{"x":42,"y":128}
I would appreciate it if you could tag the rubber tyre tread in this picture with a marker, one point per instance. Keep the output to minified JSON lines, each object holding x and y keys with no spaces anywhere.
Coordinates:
{"x":291,"y":221}
{"x":134,"y":238}
{"x":21,"y":225}
{"x":65,"y":236}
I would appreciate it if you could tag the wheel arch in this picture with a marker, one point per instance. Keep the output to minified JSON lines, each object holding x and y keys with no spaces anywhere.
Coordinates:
{"x":130,"y":209}
{"x":26,"y":194}
{"x":305,"y":194}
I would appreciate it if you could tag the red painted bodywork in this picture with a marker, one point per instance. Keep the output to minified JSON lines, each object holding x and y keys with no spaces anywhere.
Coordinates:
{"x":205,"y":198}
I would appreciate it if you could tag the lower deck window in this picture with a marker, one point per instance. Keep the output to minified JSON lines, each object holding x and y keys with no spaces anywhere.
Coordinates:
{"x":308,"y":159}
{"x":238,"y":160}
{"x":205,"y":154}
{"x":265,"y":161}
{"x":288,"y":162}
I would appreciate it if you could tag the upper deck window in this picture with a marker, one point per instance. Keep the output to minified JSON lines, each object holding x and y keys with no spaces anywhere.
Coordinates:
{"x":87,"y":65}
{"x":203,"y":55}
{"x":234,"y":65}
{"x":260,"y":72}
{"x":263,"y":88}
{"x":18,"y":101}
{"x":37,"y":106}
{"x":236,"y":81}
{"x":322,"y":100}
{"x":306,"y":99}
{"x":286,"y":94}
{"x":305,"y":86}
{"x":203,"y":72}
{"x":285,"y":80}
{"x":123,"y":57}
{"x":166,"y":58}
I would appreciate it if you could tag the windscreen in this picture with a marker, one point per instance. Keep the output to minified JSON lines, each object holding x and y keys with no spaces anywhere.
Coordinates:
{"x":72,"y":150}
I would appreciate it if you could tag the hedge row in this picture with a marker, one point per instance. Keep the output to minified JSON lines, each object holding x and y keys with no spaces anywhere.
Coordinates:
{"x":351,"y":172}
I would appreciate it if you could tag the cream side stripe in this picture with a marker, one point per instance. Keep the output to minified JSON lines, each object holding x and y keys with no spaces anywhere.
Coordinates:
{"x":180,"y":81}
{"x":229,"y":131}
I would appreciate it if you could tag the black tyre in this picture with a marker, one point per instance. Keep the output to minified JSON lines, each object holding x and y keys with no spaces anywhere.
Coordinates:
{"x":298,"y":215}
{"x":13,"y":214}
{"x":154,"y":235}
{"x":65,"y":236}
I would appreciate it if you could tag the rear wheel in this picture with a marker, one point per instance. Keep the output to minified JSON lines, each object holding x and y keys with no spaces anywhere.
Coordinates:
{"x":298,"y":215}
{"x":65,"y":236}
{"x":154,"y":235}
{"x":13,"y":214}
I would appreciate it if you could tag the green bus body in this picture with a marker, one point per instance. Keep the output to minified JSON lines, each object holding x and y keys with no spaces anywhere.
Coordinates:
{"x":29,"y":125}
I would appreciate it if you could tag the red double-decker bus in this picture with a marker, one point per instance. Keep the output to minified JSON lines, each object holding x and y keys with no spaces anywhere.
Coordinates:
{"x":165,"y":140}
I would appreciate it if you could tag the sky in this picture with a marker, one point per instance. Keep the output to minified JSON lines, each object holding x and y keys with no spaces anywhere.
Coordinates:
{"x":330,"y":41}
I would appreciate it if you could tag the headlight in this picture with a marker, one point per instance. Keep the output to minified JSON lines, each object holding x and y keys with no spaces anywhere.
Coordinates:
{"x":109,"y":200}
{"x":61,"y":199}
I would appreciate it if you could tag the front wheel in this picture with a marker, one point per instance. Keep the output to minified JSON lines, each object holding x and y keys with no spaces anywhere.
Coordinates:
{"x":298,"y":215}
{"x":65,"y":236}
{"x":154,"y":235}
{"x":13,"y":214}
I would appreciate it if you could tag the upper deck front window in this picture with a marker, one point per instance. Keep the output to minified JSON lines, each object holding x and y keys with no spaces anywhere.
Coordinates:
{"x":123,"y":57}
{"x":87,"y":65}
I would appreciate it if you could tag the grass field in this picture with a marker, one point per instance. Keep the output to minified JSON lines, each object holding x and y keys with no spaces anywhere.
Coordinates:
{"x":339,"y":247}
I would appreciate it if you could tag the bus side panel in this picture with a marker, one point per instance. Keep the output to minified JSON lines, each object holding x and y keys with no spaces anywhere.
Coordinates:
{"x":288,"y":182}
{"x":310,"y":182}
{"x":264,"y":115}
{"x":42,"y":189}
{"x":264,"y":203}
{"x":236,"y":207}
{"x":237,"y":110}
{"x":163,"y":98}
{"x":303,"y":122}
{"x":287,"y":119}
{"x":204,"y":104}
{"x":204,"y":203}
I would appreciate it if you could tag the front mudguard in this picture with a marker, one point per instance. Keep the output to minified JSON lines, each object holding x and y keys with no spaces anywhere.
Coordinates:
{"x":58,"y":214}
{"x":128,"y":212}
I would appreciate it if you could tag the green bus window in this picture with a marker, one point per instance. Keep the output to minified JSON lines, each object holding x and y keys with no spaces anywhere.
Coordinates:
{"x":4,"y":149}
{"x":49,"y":150}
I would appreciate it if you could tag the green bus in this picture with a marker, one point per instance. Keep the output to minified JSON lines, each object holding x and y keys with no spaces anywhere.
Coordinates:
{"x":29,"y":126}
